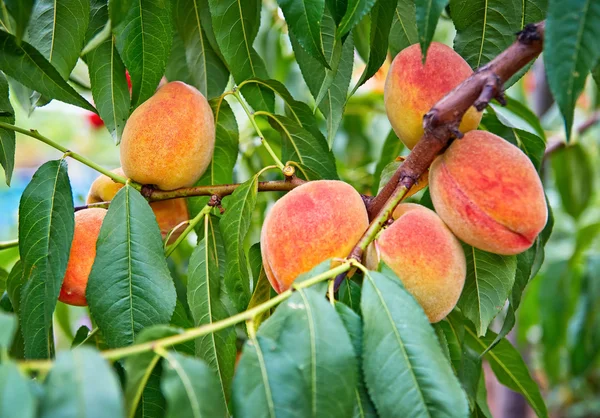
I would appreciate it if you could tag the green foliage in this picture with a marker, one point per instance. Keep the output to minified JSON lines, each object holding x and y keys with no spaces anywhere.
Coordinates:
{"x":7,"y":138}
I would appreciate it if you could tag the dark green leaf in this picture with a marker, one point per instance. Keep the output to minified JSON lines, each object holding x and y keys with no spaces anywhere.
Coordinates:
{"x":570,"y":50}
{"x":21,"y":13}
{"x":392,"y":147}
{"x":355,"y":11}
{"x":299,"y":145}
{"x":46,"y":226}
{"x":405,"y":369}
{"x":16,"y":396}
{"x":304,"y":21}
{"x":81,"y":384}
{"x":217,"y":349}
{"x":262,"y":286}
{"x":29,"y":67}
{"x":58,"y":30}
{"x":428,"y":13}
{"x":208,"y":73}
{"x":490,"y":278}
{"x":81,"y":337}
{"x":403,"y":32}
{"x":574,"y":176}
{"x":469,"y":374}
{"x":509,"y":368}
{"x":234,"y":227}
{"x":363,"y":406}
{"x":7,"y":137}
{"x":8,"y":325}
{"x":118,"y":11}
{"x":144,"y":42}
{"x":181,"y":320}
{"x":177,"y":66}
{"x":517,"y":115}
{"x":235,"y":28}
{"x":191,"y":388}
{"x":349,"y":293}
{"x":14,"y":281}
{"x":130,"y":286}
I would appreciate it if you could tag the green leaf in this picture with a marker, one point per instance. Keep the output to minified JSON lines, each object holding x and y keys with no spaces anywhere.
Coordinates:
{"x":487,"y":27}
{"x":517,"y":115}
{"x":3,"y":278}
{"x":191,"y":388}
{"x":382,"y":15}
{"x":7,"y":137}
{"x":234,"y":227}
{"x":108,"y":80}
{"x":349,"y":294}
{"x":140,"y":390}
{"x":46,"y":226}
{"x":574,"y":176}
{"x":58,"y":29}
{"x":428,"y":13}
{"x":29,"y":67}
{"x":118,"y":11}
{"x":144,"y":43}
{"x":129,"y":287}
{"x":405,"y":369}
{"x":570,"y":51}
{"x":204,"y":299}
{"x":304,"y":21}
{"x":392,"y":147}
{"x":16,"y":395}
{"x":313,"y":155}
{"x":177,"y":66}
{"x":509,"y":368}
{"x":220,"y":169}
{"x":262,"y":287}
{"x":208,"y":72}
{"x":21,"y":13}
{"x":235,"y":28}
{"x":81,"y":337}
{"x":181,"y":320}
{"x":8,"y":326}
{"x":469,"y":374}
{"x":363,"y":406}
{"x":356,"y":10}
{"x":403,"y":32}
{"x":490,"y":278}
{"x":81,"y":384}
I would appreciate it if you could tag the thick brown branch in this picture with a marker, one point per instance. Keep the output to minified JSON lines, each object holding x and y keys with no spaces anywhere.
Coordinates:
{"x":442,"y":122}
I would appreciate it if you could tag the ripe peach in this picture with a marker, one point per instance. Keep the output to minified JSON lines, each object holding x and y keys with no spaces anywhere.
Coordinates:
{"x":425,"y":255}
{"x":82,"y":255}
{"x":312,"y":223}
{"x":169,"y":213}
{"x":169,"y":140}
{"x":411,"y":88}
{"x":488,"y":193}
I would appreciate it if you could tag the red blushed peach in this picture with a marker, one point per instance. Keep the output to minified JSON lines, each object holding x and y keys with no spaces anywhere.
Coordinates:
{"x":411,"y":88}
{"x":426,"y":256}
{"x":312,"y":223}
{"x":82,"y":255}
{"x":169,"y":139}
{"x":488,"y":193}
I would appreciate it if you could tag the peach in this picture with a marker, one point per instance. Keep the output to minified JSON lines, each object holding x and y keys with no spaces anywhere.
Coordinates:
{"x":425,"y":255}
{"x":169,"y":140}
{"x":168,"y":213}
{"x":314,"y":222}
{"x":82,"y":255}
{"x":411,"y":88}
{"x":488,"y":193}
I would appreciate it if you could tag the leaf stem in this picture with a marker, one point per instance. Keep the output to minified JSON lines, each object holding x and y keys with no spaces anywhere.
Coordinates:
{"x":193,"y":333}
{"x":8,"y":244}
{"x":191,"y":225}
{"x":36,"y":135}
{"x":250,"y":115}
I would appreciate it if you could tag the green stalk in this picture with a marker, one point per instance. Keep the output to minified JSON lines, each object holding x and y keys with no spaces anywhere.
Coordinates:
{"x":191,"y":225}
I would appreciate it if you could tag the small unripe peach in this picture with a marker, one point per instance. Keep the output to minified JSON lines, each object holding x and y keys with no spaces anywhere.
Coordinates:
{"x":411,"y":88}
{"x":425,"y":255}
{"x":82,"y":255}
{"x":488,"y":193}
{"x":169,"y":213}
{"x":169,"y":139}
{"x":312,"y":223}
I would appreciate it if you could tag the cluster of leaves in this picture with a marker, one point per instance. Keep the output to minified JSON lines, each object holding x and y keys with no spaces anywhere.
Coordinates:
{"x":373,"y":352}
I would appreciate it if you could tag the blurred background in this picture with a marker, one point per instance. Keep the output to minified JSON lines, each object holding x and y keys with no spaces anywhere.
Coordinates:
{"x":558,"y":325}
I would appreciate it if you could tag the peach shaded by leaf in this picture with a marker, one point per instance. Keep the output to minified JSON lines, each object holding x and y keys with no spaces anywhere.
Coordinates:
{"x":426,"y":256}
{"x":312,"y":223}
{"x":82,"y":255}
{"x":411,"y":88}
{"x":169,"y":140}
{"x":488,"y":193}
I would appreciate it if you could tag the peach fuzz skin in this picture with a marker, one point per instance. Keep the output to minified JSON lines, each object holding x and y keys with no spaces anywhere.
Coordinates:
{"x":310,"y":224}
{"x":412,"y":89}
{"x":426,"y":256}
{"x":488,"y":193}
{"x":82,"y":255}
{"x":168,"y":213}
{"x":169,"y":140}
